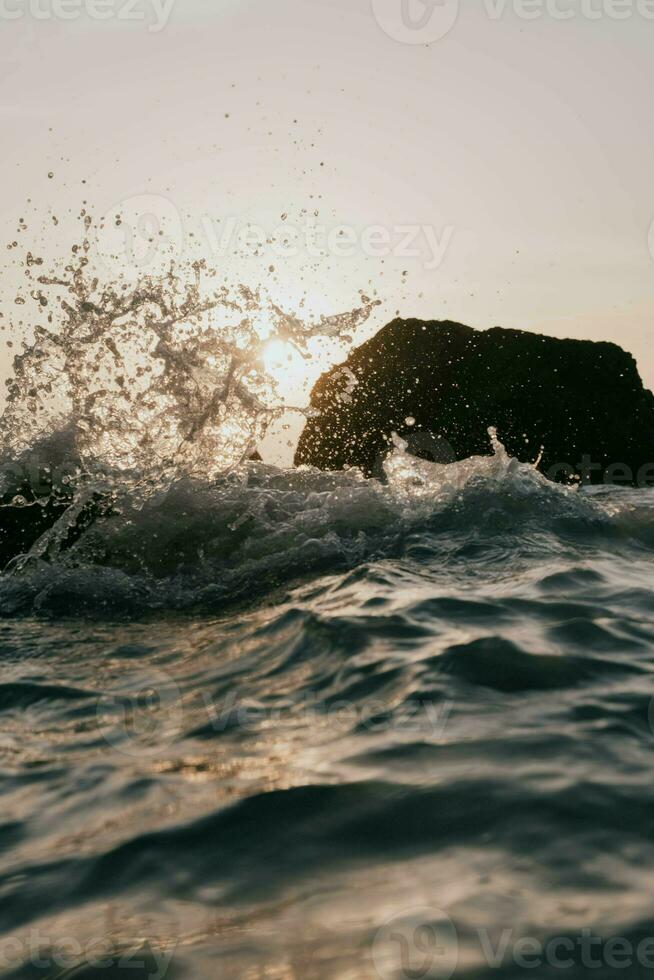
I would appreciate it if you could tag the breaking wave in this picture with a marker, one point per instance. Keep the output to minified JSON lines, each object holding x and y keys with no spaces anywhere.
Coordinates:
{"x":202,"y":543}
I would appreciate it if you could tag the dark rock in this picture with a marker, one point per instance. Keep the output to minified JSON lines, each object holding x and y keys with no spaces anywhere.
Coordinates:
{"x":583,"y":401}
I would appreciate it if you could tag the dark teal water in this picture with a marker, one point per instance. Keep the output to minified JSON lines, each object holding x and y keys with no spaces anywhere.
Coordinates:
{"x":292,"y":725}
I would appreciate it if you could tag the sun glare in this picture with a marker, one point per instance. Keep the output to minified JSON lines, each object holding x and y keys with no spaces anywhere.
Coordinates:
{"x":284,"y":363}
{"x":296,"y":374}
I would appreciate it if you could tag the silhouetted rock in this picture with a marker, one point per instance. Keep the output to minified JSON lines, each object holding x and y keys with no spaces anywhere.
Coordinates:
{"x":441,"y":385}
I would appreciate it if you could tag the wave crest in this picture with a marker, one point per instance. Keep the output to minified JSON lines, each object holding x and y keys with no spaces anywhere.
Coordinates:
{"x":240,"y":535}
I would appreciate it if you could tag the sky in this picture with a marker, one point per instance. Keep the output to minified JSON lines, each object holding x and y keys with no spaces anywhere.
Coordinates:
{"x":487,"y":161}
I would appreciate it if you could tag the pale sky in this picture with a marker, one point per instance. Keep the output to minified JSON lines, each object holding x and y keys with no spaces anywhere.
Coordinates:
{"x":516,"y":153}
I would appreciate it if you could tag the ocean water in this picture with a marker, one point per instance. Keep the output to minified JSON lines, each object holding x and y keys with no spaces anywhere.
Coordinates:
{"x":266,"y":723}
{"x":394,"y":730}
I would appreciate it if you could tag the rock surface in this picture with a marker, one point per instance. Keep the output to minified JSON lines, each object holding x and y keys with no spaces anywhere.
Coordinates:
{"x":441,"y":384}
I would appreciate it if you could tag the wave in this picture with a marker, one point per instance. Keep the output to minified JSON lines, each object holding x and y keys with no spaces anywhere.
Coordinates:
{"x":242,"y":535}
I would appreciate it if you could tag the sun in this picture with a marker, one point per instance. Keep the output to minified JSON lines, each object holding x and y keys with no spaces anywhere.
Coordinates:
{"x":295,"y":372}
{"x":286,"y":366}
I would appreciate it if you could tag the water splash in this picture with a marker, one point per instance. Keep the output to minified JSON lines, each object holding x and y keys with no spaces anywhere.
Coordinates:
{"x":156,"y":379}
{"x":415,"y":477}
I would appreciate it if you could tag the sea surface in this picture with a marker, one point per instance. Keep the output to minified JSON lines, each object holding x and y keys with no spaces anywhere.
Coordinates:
{"x":287,"y":724}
